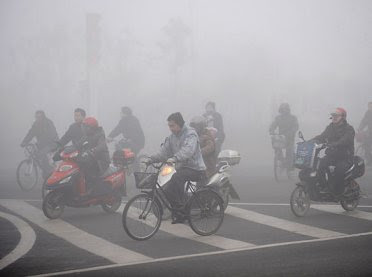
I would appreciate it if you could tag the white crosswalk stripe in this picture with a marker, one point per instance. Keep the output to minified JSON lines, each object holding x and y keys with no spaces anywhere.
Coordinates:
{"x":184,"y":231}
{"x":335,"y":209}
{"x":282,"y":223}
{"x":78,"y":237}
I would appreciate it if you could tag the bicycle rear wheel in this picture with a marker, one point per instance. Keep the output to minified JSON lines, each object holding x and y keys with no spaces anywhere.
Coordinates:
{"x":27,"y":174}
{"x":205,"y":212}
{"x":141,"y":217}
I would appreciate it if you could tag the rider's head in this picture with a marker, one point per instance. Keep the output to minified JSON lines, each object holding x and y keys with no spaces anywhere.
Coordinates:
{"x":199,"y":123}
{"x":125,"y":111}
{"x":39,"y":115}
{"x":175,"y":122}
{"x":79,"y":115}
{"x":338,"y":115}
{"x":284,"y":108}
{"x":90,"y":125}
{"x":210,"y":107}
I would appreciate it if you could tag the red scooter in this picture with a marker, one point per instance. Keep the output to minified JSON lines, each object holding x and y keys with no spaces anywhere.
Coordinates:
{"x":67,"y":184}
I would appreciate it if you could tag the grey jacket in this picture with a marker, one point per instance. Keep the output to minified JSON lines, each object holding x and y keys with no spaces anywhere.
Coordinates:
{"x":185,"y":147}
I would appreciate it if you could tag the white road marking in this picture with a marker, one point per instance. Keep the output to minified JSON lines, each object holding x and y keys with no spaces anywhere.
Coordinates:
{"x":282,"y":223}
{"x":184,"y":231}
{"x":335,"y":209}
{"x":268,"y":246}
{"x":26,"y":241}
{"x":77,"y":237}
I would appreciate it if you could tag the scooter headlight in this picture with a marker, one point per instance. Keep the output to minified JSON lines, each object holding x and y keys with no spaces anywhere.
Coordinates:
{"x":166,"y":170}
{"x":65,"y":167}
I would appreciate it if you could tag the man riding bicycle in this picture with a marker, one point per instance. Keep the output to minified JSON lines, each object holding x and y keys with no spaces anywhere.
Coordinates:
{"x":339,"y":136}
{"x":46,"y":134}
{"x":182,"y":148}
{"x":367,"y":122}
{"x":131,"y":130}
{"x":287,"y":124}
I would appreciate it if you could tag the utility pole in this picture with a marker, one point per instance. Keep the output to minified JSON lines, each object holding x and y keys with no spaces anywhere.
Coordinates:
{"x":93,"y":52}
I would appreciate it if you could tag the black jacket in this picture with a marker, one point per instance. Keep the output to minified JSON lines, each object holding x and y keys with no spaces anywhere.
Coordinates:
{"x":287,"y":125}
{"x":45,"y":133}
{"x":215,"y":120}
{"x":131,"y":129}
{"x":341,"y":140}
{"x":366,"y":121}
{"x":98,"y":147}
{"x":73,"y":134}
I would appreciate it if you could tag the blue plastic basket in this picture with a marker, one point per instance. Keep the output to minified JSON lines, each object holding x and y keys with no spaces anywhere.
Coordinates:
{"x":305,"y":155}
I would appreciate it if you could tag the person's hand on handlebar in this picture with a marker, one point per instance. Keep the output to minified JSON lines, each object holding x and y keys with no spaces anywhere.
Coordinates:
{"x":172,"y":160}
{"x":147,"y":161}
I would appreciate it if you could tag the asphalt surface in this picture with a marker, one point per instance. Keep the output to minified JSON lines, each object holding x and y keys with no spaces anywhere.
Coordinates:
{"x":259,"y":237}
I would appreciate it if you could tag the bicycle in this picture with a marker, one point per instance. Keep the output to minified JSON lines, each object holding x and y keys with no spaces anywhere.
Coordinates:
{"x":28,"y":169}
{"x":142,"y":215}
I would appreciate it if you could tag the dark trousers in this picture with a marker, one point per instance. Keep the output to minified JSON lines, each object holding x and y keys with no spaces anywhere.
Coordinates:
{"x":341,"y":166}
{"x":174,"y":189}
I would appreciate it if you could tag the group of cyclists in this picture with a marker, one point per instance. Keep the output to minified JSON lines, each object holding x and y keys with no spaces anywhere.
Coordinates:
{"x":192,"y":147}
{"x":338,"y":135}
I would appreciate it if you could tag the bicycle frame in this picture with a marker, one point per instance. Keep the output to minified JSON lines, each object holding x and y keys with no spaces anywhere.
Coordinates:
{"x":156,"y":195}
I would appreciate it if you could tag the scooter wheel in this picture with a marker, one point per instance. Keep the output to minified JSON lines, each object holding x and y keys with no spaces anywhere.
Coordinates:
{"x":349,"y":205}
{"x":300,"y":201}
{"x":52,"y":205}
{"x":112,"y":206}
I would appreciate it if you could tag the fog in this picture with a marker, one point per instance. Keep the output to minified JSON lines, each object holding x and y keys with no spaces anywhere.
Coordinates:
{"x":163,"y":56}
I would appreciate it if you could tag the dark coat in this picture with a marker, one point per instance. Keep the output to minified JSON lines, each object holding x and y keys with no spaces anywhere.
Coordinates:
{"x":73,"y":134}
{"x":208,"y":149}
{"x":287,"y":125}
{"x":340,"y":139}
{"x":215,"y":120}
{"x":45,"y":133}
{"x":367,"y":122}
{"x":98,"y":147}
{"x":131,"y":129}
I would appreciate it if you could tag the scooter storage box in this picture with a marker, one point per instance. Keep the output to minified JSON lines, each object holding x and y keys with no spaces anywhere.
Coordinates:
{"x":123,"y":157}
{"x":359,"y":167}
{"x":230,"y":156}
{"x":305,"y":154}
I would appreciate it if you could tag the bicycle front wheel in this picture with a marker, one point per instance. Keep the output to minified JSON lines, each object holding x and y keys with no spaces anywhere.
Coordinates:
{"x":27,"y":175}
{"x":206,"y":212}
{"x":141,"y":217}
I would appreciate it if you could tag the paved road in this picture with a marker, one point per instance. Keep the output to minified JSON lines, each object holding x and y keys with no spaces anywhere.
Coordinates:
{"x":259,"y":237}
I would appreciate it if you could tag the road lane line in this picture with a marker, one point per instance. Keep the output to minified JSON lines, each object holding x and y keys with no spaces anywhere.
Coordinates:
{"x":205,"y":254}
{"x":70,"y":233}
{"x":335,"y":209}
{"x":26,"y":241}
{"x":184,"y":231}
{"x":283,"y":224}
